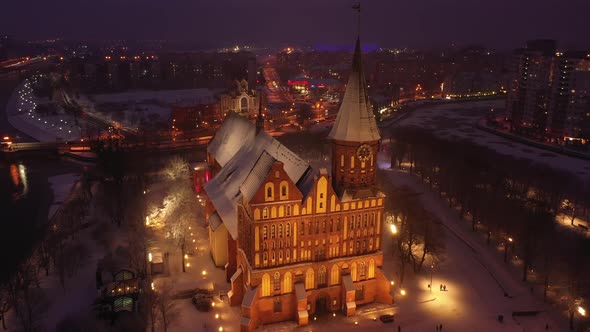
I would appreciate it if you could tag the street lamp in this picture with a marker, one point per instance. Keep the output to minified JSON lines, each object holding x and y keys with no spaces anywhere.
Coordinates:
{"x":431,"y":268}
{"x":581,"y":311}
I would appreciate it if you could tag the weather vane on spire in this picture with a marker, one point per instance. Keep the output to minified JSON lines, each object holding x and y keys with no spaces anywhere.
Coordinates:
{"x":357,"y":7}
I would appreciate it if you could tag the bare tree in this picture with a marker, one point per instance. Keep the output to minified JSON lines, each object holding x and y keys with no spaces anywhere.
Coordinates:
{"x":165,"y":305}
{"x":5,"y":304}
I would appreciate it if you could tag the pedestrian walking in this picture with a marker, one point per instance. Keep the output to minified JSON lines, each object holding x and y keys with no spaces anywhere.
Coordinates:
{"x":440,"y":328}
{"x":445,"y":288}
{"x":441,"y":287}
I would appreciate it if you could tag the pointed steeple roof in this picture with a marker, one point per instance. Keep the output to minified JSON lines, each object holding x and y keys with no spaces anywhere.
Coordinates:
{"x":355,"y":121}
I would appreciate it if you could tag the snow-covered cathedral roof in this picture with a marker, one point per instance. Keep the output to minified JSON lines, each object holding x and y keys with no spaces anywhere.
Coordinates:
{"x":355,"y":121}
{"x":246,"y":159}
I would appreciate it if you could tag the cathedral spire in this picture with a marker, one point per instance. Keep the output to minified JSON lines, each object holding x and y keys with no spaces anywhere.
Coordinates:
{"x":355,"y":121}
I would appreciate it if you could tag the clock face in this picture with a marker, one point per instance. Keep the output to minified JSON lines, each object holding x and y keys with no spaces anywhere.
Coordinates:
{"x":364,"y":152}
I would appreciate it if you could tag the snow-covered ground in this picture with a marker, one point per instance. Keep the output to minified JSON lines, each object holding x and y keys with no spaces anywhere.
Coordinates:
{"x":62,"y":186}
{"x":457,"y":120}
{"x":476,"y":279}
{"x":132,"y":107}
{"x":21,"y":114}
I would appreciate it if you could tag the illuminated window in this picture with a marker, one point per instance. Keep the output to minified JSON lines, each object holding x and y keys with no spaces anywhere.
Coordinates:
{"x":288,"y":230}
{"x":288,"y":209}
{"x":265,"y":213}
{"x":281,"y":230}
{"x":272,"y":231}
{"x":334,"y":275}
{"x":265,"y":232}
{"x":265,"y":285}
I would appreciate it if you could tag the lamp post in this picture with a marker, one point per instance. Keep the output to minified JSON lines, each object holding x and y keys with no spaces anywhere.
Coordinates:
{"x":510,"y":240}
{"x":431,"y":268}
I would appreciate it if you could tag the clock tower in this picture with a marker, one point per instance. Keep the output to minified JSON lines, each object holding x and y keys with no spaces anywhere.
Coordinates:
{"x":355,"y":137}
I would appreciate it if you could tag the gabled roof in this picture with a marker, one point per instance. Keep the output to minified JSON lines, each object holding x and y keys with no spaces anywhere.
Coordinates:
{"x":355,"y":121}
{"x":235,"y":132}
{"x":243,"y":173}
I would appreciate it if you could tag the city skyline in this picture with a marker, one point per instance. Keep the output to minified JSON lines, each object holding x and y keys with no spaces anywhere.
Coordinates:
{"x":500,"y":24}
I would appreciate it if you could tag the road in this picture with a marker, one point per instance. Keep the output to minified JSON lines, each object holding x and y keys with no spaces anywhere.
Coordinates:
{"x":276,"y":93}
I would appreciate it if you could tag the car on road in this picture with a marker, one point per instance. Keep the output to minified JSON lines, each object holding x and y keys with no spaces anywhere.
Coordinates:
{"x":386,"y":318}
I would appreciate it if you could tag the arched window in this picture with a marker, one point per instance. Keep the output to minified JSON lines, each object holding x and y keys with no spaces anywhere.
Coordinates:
{"x":334,"y":275}
{"x":265,"y":232}
{"x":362,"y":269}
{"x":280,"y":230}
{"x":265,"y":257}
{"x":351,"y":226}
{"x":266,"y":285}
{"x":365,"y":221}
{"x":272,"y":231}
{"x":280,"y":255}
{"x":341,"y":160}
{"x":322,"y":276}
{"x":287,"y":283}
{"x":288,"y":253}
{"x":277,"y":281}
{"x":353,"y":272}
{"x":371,"y":269}
{"x":288,"y":210}
{"x":269,"y":192}
{"x":309,"y":282}
{"x":338,"y":224}
{"x":288,"y":230}
{"x":283,"y":190}
{"x":265,"y":213}
{"x":265,"y":246}
{"x":302,"y":229}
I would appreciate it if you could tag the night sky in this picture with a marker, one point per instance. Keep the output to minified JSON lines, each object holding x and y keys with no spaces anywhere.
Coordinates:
{"x":501,"y":24}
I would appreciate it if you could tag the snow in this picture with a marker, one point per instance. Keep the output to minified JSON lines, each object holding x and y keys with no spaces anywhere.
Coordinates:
{"x":44,"y":128}
{"x":458,"y":120}
{"x":62,"y":186}
{"x":132,"y":107}
{"x":475,"y":277}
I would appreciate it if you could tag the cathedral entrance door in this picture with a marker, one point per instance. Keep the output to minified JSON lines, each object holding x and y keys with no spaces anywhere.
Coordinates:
{"x":321,"y":304}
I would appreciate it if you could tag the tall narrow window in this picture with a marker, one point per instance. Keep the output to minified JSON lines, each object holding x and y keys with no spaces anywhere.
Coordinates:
{"x":284,"y":190}
{"x":272,"y":231}
{"x":288,"y":210}
{"x":277,"y":281}
{"x":288,"y":230}
{"x":265,"y":232}
{"x":322,"y":276}
{"x":281,"y":230}
{"x":269,"y":192}
{"x":265,"y":213}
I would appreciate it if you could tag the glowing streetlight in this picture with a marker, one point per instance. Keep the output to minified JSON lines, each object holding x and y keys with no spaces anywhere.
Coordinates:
{"x":403,"y":292}
{"x":150,"y":257}
{"x":220,"y":329}
{"x":393,"y":229}
{"x":147,"y":220}
{"x":510,"y":239}
{"x":582,"y":311}
{"x":204,"y":273}
{"x":216,"y":316}
{"x":188,"y":264}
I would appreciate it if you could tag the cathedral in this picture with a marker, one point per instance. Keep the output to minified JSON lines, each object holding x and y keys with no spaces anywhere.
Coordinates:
{"x":297,"y":241}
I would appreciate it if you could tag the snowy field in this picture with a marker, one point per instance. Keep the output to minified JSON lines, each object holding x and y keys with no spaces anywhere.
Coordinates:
{"x":134,"y":107}
{"x":457,"y":121}
{"x":476,"y":279}
{"x":21,"y":115}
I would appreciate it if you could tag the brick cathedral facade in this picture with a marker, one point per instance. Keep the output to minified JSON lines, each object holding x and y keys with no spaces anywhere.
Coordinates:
{"x":300,"y":240}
